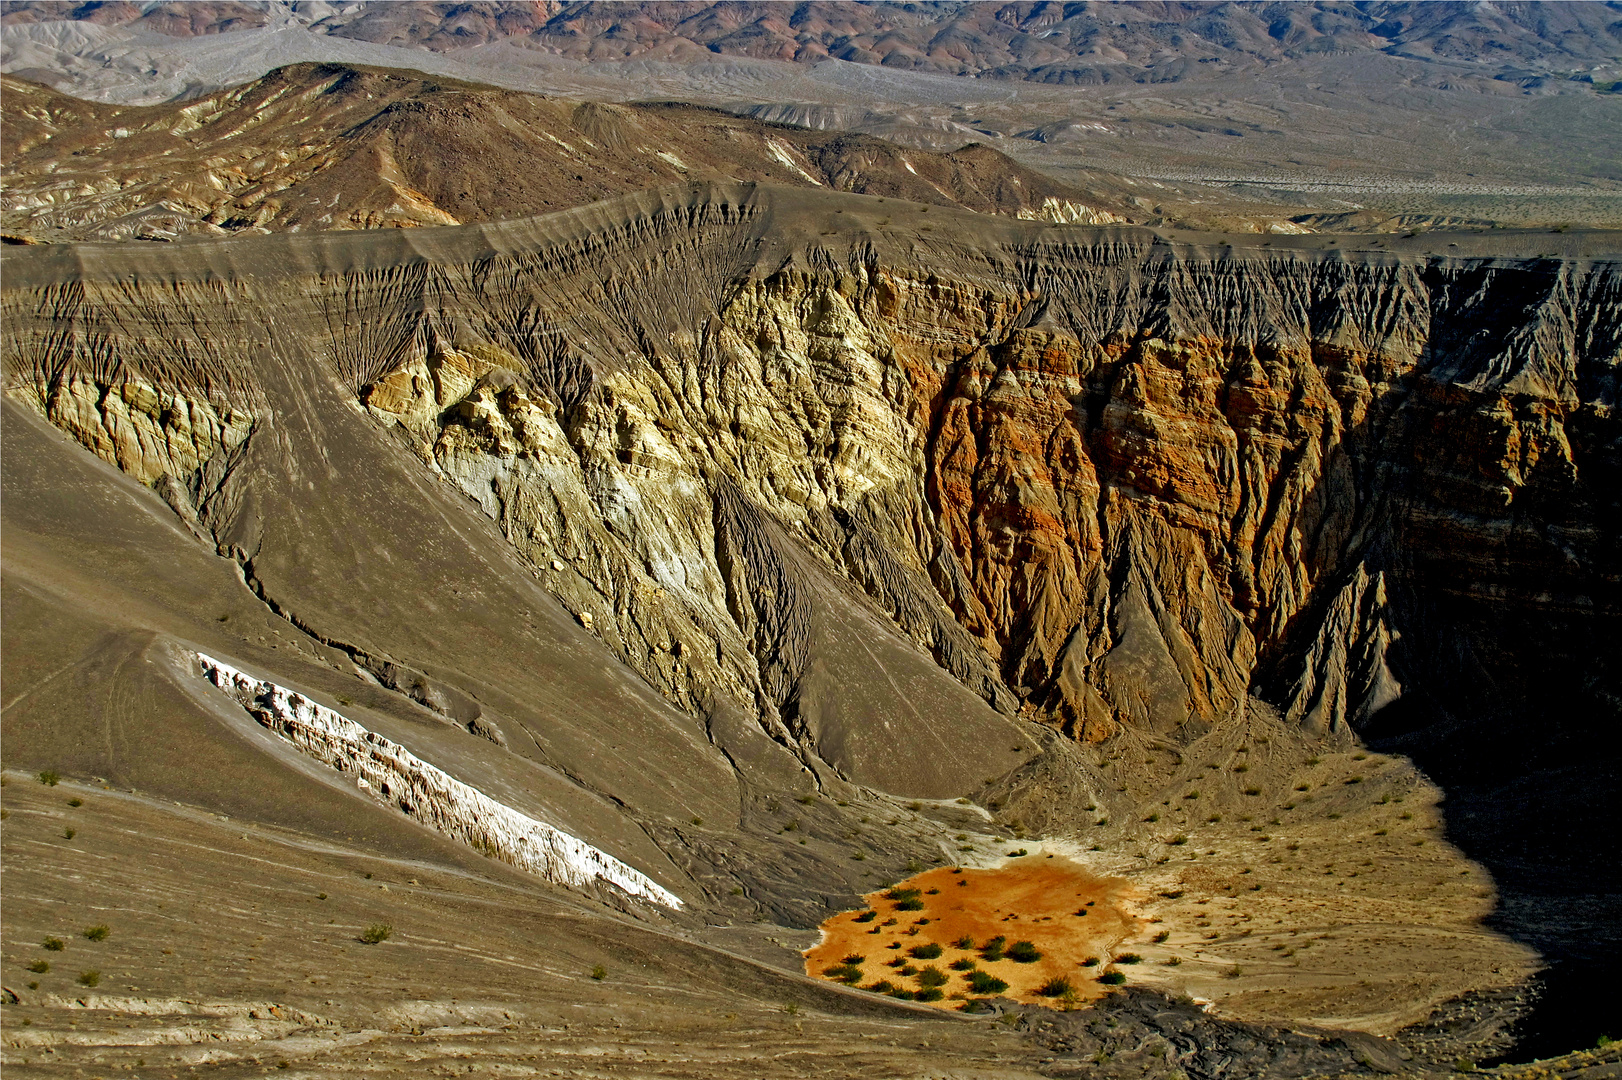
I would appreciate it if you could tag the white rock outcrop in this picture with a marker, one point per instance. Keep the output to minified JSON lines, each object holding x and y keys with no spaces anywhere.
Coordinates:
{"x":390,"y":773}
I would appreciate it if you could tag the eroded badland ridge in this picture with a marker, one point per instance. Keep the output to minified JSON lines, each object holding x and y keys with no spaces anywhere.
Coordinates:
{"x":329,"y":147}
{"x":777,"y":542}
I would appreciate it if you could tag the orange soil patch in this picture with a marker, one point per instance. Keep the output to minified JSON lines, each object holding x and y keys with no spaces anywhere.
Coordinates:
{"x":1031,"y":899}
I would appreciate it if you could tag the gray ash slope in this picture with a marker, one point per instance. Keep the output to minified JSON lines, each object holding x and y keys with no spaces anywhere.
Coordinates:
{"x":653,"y":516}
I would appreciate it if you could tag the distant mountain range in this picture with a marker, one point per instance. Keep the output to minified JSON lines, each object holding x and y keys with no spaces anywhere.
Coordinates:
{"x":1071,"y":43}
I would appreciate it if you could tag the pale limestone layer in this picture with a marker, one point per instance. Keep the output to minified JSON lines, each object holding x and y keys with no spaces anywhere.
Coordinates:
{"x":392,"y":775}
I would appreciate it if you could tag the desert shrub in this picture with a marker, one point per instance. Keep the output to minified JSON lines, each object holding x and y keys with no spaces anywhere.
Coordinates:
{"x":929,"y":993}
{"x":1023,"y":952}
{"x":1056,"y":988}
{"x":982,"y":982}
{"x":98,"y":932}
{"x":75,"y":802}
{"x":908,"y":970}
{"x":1178,"y":841}
{"x":883,"y":986}
{"x":1112,"y":978}
{"x":50,"y":778}
{"x":90,"y":978}
{"x":962,"y":964}
{"x":932,"y":976}
{"x":992,"y":950}
{"x":69,"y":833}
{"x":1129,"y":958}
{"x":853,"y":958}
{"x":1091,"y":961}
{"x":867,"y":916}
{"x":1160,"y":938}
{"x":53,"y":944}
{"x":1253,"y":791}
{"x":40,"y":967}
{"x":964,"y":942}
{"x":906,"y":899}
{"x":903,"y":993}
{"x":927,"y":951}
{"x":845,"y":973}
{"x":599,"y":973}
{"x":377,"y":933}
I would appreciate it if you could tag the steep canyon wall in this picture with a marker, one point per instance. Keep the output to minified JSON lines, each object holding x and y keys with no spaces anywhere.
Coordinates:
{"x":1110,"y":481}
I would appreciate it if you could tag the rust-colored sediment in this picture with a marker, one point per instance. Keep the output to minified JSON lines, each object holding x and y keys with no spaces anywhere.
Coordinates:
{"x":1033,"y":898}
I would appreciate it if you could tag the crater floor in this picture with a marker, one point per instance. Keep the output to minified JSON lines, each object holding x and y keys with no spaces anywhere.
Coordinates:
{"x":945,"y":918}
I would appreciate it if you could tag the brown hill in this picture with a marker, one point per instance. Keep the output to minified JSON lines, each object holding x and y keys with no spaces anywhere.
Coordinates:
{"x":323,"y":146}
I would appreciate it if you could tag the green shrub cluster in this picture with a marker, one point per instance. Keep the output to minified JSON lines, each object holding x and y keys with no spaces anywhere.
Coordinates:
{"x":1024,"y":952}
{"x":982,"y":982}
{"x":906,"y":899}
